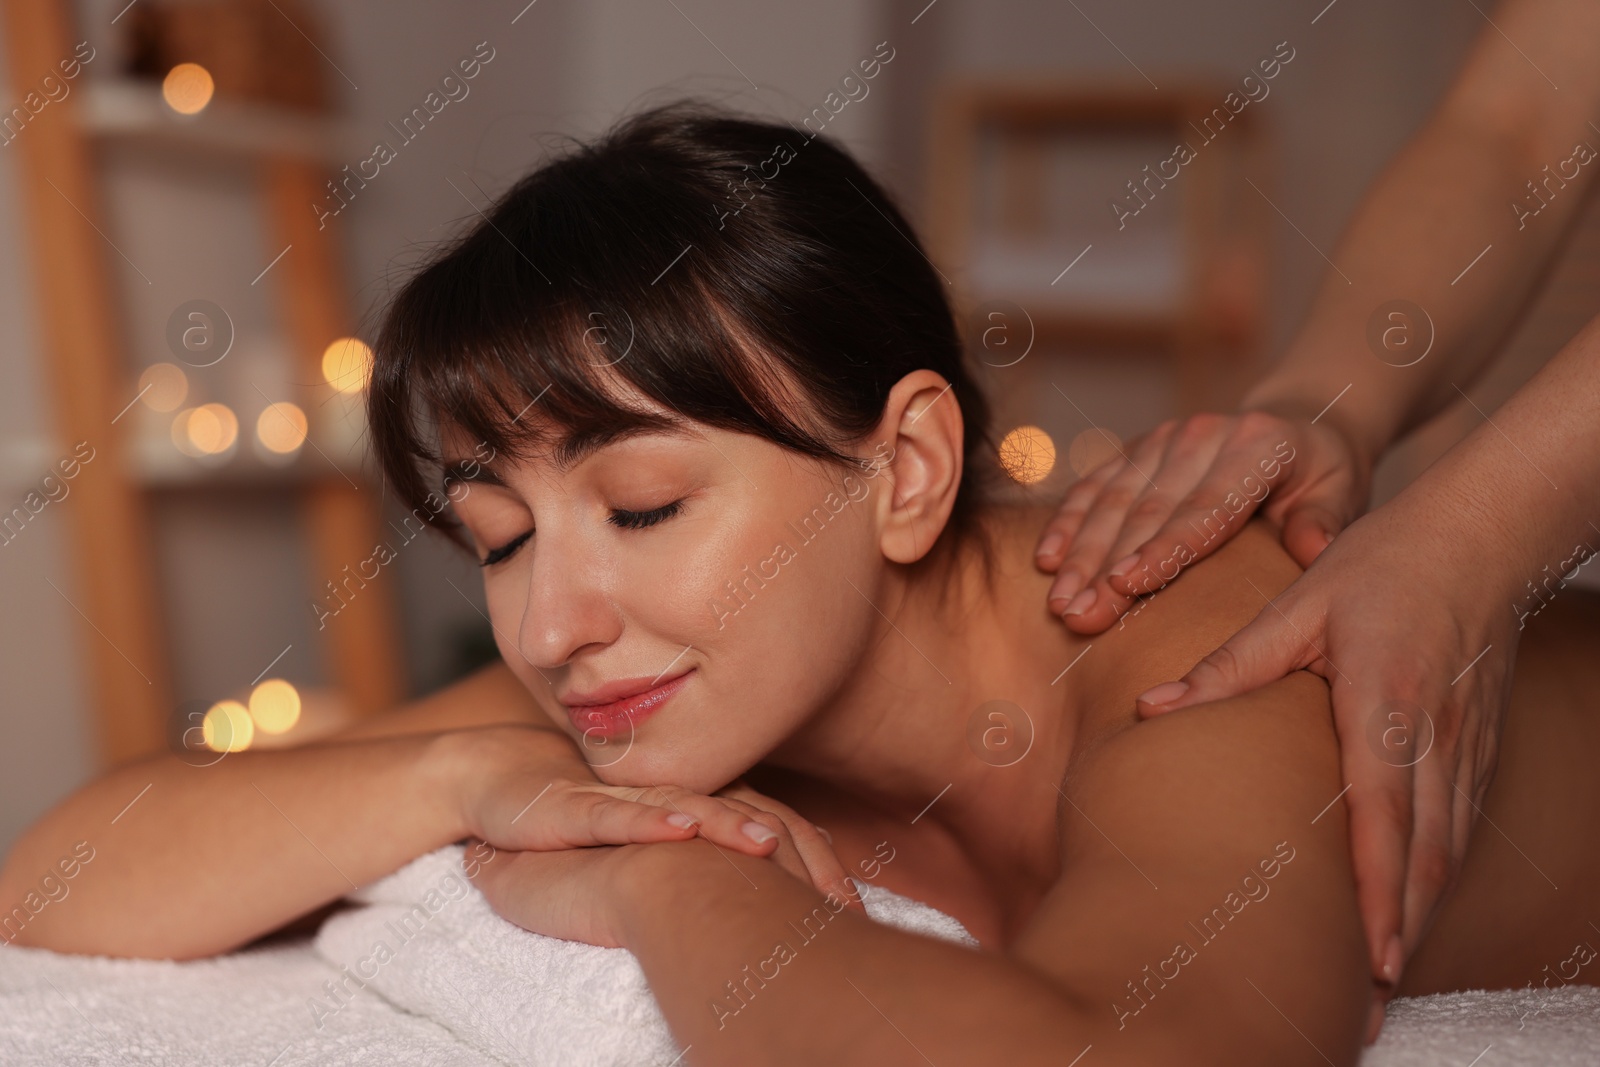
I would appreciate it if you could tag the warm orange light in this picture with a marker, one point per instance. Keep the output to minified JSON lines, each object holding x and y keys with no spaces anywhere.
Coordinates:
{"x":275,"y":706}
{"x":281,"y":427}
{"x":1027,"y":454}
{"x":163,"y":386}
{"x":227,"y":727}
{"x":347,"y":364}
{"x":187,"y":88}
{"x":208,"y":430}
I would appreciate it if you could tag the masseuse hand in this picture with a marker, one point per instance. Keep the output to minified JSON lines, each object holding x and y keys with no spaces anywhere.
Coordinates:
{"x":1419,"y":664}
{"x":1144,"y":513}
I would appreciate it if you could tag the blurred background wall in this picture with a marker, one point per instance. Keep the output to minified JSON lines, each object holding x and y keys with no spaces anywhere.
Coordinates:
{"x":235,"y":581}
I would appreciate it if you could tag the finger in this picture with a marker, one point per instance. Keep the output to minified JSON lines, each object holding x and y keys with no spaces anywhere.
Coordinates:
{"x":1205,"y":519}
{"x":784,"y":852}
{"x":1307,"y":530}
{"x":1269,"y":647}
{"x":1096,"y":605}
{"x":725,"y":822}
{"x":1380,"y":801}
{"x":812,"y":844}
{"x":1065,"y":523}
{"x":822,"y":864}
{"x":1190,"y":454}
{"x":599,"y":819}
{"x":1430,"y":864}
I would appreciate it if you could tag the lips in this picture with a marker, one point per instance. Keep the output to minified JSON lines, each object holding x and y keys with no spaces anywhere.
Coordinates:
{"x":621,"y":710}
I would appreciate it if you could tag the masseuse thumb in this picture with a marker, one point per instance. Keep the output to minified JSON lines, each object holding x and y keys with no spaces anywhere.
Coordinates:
{"x":1309,"y":529}
{"x":1261,"y":653}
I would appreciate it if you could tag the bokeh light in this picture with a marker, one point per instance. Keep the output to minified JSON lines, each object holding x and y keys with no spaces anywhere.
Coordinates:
{"x":347,"y":364}
{"x":187,"y":88}
{"x":208,"y":430}
{"x":281,"y":427}
{"x":1091,"y":448}
{"x":275,"y":706}
{"x":1027,"y":454}
{"x":163,"y":386}
{"x":227,"y":727}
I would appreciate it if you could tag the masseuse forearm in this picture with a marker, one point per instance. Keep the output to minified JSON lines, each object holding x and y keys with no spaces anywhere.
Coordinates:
{"x":1538,"y":455}
{"x":1446,"y":198}
{"x":194,"y":860}
{"x":751,"y":967}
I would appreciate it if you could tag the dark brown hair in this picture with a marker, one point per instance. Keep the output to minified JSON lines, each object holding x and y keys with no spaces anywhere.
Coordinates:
{"x":742,"y":274}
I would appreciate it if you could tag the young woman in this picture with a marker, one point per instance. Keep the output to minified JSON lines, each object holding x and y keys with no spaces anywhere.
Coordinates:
{"x":697,"y":399}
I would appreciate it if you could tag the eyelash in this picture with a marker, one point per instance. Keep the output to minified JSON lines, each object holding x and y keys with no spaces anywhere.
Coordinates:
{"x":626,"y":520}
{"x":639,"y":520}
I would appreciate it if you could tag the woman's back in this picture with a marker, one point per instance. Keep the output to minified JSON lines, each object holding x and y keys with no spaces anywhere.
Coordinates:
{"x":1506,"y":921}
{"x":1528,"y":900}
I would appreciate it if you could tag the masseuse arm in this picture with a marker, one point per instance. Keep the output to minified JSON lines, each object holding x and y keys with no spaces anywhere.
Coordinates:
{"x":1196,"y":801}
{"x":1424,"y":600}
{"x":1443,"y":200}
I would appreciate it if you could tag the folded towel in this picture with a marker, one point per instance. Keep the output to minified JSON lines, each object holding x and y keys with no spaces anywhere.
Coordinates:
{"x":427,"y":941}
{"x":246,"y":1007}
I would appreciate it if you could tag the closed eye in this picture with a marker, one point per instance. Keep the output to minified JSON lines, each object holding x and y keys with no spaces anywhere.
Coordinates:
{"x":627,"y":520}
{"x":638,"y":520}
{"x":505,"y":551}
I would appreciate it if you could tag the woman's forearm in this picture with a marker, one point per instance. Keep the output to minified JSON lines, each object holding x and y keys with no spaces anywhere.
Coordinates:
{"x":193,"y":860}
{"x":752,"y":967}
{"x":1441,"y":230}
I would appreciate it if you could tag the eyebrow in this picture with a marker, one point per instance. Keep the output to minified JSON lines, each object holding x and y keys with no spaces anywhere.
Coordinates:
{"x":572,"y":449}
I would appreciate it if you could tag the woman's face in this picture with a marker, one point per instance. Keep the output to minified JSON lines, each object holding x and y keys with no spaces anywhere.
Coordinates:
{"x":682,"y":601}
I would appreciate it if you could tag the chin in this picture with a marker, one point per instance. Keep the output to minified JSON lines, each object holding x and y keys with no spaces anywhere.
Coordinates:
{"x":700,"y":772}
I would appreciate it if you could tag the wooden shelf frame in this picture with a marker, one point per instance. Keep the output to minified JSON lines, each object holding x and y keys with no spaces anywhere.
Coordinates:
{"x":123,"y":636}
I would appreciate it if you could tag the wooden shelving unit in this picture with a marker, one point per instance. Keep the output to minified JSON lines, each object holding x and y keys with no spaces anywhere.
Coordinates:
{"x":285,"y":150}
{"x":1198,"y":297}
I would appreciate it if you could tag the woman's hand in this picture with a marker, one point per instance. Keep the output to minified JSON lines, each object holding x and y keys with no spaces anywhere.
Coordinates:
{"x":1176,"y":494}
{"x":524,"y":788}
{"x":577,"y":893}
{"x":1419,"y":664}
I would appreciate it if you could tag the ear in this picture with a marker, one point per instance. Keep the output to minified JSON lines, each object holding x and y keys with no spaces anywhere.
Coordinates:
{"x":919,"y":457}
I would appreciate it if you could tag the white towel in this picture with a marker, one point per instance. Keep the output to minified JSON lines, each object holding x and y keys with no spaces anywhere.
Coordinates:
{"x":243,"y":1008}
{"x":524,"y":998}
{"x":260,"y":1006}
{"x":1505,"y":1028}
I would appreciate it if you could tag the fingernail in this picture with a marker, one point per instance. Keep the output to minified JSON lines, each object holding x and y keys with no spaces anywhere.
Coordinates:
{"x":1067,"y":586}
{"x":1392,"y":961}
{"x":758,"y":833}
{"x":825,"y":835}
{"x":1327,"y":538}
{"x":1080,"y":603}
{"x":682,"y":821}
{"x":1165,"y":693}
{"x":1124,"y":566}
{"x":1049,"y":545}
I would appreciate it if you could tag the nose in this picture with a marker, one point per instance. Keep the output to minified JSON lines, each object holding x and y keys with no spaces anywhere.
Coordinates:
{"x":568,"y":607}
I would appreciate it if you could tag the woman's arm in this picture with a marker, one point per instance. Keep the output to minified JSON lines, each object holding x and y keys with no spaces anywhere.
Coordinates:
{"x":191,"y":860}
{"x":753,"y":967}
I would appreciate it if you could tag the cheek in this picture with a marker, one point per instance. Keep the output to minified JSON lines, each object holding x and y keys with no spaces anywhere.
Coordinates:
{"x":775,"y":626}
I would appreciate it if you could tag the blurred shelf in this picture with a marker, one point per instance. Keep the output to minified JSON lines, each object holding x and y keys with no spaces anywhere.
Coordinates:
{"x":130,"y":111}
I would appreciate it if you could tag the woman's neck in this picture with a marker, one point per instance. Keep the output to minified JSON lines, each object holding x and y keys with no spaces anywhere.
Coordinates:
{"x":951,"y":710}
